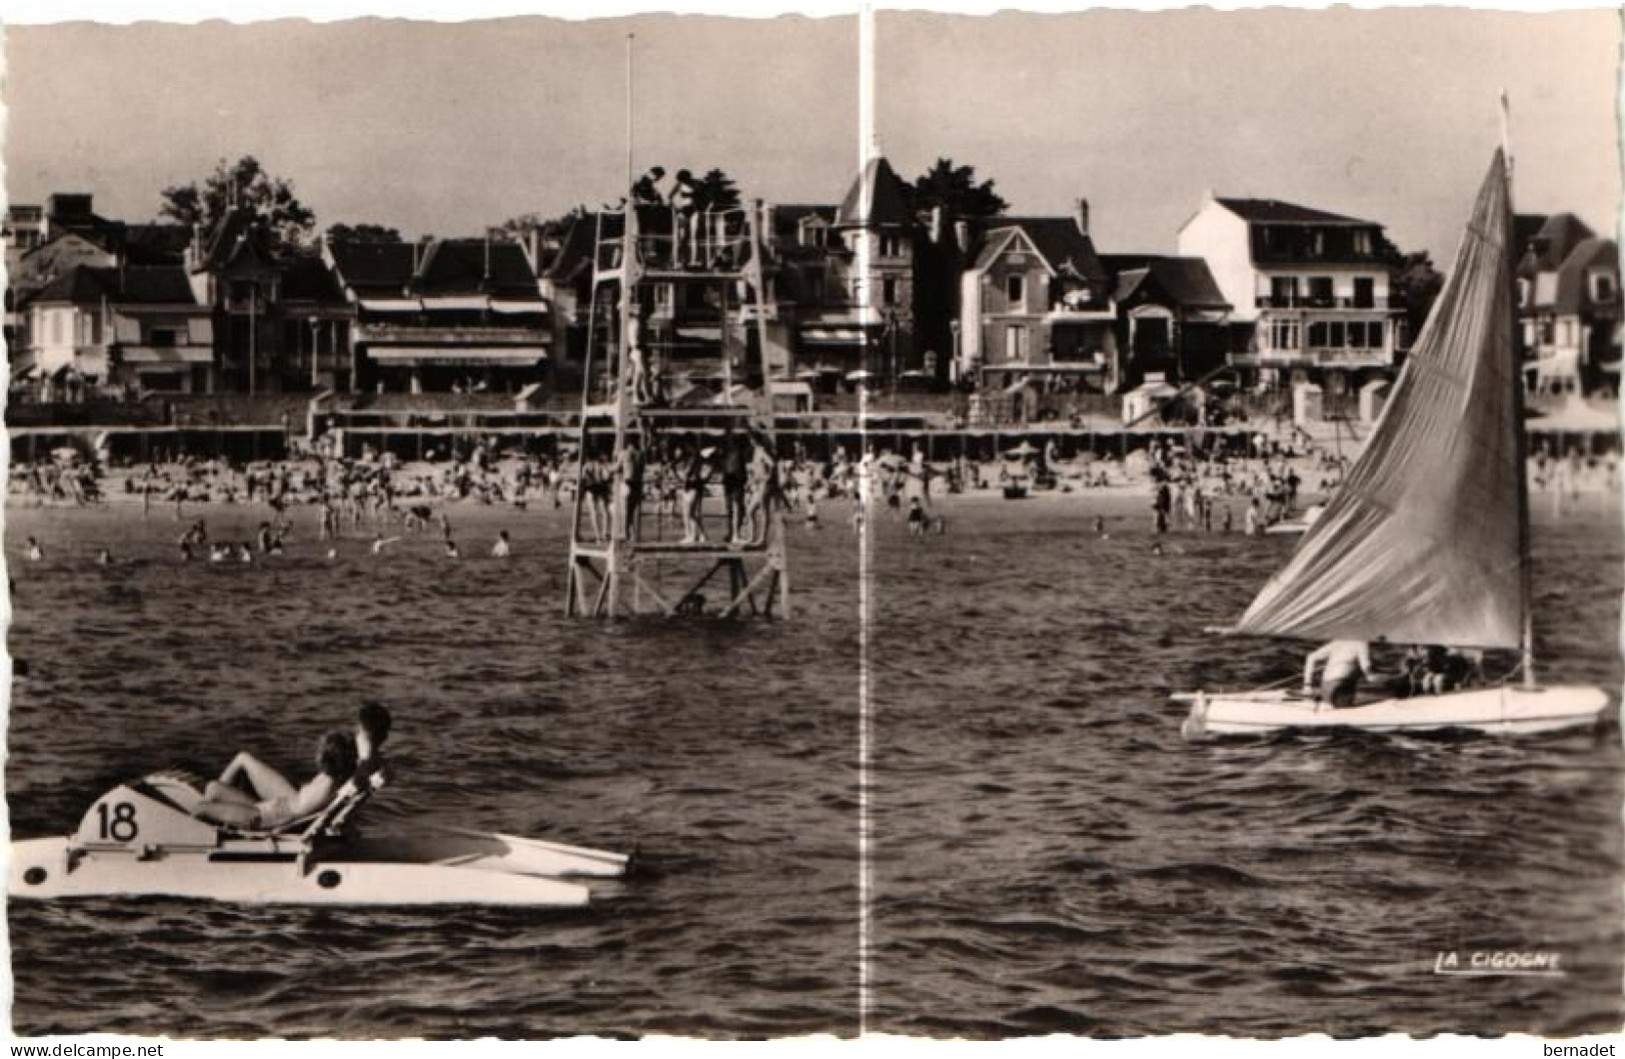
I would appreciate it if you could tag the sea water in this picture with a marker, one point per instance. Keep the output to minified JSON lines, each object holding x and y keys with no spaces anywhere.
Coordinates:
{"x":1048,"y":854}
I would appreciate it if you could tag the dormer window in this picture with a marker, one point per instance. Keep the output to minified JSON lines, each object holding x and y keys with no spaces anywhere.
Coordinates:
{"x":1362,"y":242}
{"x":1015,"y":289}
{"x":1603,"y":287}
{"x":1526,"y":291}
{"x":891,"y":244}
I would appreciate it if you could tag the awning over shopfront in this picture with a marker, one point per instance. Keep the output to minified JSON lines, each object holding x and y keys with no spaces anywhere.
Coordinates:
{"x":392,"y":305}
{"x":167,"y":356}
{"x":459,"y":356}
{"x":848,"y":335}
{"x":787,"y":388}
{"x":513,"y":305}
{"x":1073,"y":367}
{"x":457,"y":303}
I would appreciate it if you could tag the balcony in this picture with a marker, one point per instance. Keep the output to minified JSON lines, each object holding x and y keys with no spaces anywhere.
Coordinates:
{"x":1315,"y":357}
{"x":1304,"y":301}
{"x":1061,"y":313}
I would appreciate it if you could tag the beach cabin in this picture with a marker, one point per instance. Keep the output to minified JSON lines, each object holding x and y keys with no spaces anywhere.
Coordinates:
{"x":1308,"y":404}
{"x":1373,"y":397}
{"x":1145,"y":399}
{"x":791,"y":395}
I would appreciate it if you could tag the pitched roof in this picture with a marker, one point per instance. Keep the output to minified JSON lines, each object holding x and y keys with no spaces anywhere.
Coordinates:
{"x":1186,"y":281}
{"x":1057,"y":238}
{"x":78,"y":285}
{"x":308,"y":279}
{"x":373,"y":268}
{"x":443,"y":267}
{"x":1272,"y":211}
{"x":1557,"y":238}
{"x":575,"y":254}
{"x":884,"y":191}
{"x":156,"y":244}
{"x":154,"y":285}
{"x":1573,"y":278}
{"x":236,"y":234}
{"x":788,"y":216}
{"x":134,"y":285}
{"x":470,"y":266}
{"x":1525,"y":226}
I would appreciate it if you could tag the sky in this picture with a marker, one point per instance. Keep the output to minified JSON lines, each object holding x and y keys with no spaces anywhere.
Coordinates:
{"x":444,"y":128}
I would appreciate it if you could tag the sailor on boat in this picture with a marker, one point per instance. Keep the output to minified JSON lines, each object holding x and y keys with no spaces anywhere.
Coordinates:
{"x":1427,"y":539}
{"x":1345,"y":662}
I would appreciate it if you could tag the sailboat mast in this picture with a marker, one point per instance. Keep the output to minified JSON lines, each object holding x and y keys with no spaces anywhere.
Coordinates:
{"x":1526,"y":566}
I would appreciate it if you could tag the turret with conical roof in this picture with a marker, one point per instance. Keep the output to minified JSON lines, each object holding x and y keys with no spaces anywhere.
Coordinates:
{"x":877,"y":199}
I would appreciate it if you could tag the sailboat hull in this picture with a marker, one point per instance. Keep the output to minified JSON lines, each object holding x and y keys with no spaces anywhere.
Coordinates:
{"x":1501,"y":711}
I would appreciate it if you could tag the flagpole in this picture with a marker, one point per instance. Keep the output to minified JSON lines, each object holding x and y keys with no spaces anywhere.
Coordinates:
{"x":630,"y":175}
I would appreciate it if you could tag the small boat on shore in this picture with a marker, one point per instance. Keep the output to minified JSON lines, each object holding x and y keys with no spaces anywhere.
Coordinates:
{"x":142,"y":839}
{"x":1427,"y":540}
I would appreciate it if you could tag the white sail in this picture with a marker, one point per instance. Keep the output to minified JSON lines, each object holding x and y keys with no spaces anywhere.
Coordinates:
{"x":1423,"y":542}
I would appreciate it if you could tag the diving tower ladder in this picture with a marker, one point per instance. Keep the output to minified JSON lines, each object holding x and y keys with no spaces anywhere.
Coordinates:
{"x":675,"y":298}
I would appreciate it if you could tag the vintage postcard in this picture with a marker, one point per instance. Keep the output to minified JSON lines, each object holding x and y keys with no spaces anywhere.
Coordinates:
{"x":740,"y":525}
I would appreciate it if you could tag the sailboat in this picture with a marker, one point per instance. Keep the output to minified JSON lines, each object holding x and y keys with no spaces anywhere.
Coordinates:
{"x":1427,"y":541}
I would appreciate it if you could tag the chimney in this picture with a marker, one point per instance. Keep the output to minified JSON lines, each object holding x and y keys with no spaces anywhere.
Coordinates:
{"x":1082,"y":216}
{"x":962,"y":236}
{"x":936,"y":224}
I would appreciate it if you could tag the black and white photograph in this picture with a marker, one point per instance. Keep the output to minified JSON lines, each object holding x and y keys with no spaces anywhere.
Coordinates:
{"x":763,"y":524}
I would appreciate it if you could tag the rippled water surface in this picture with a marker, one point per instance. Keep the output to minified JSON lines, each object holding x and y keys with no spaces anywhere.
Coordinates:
{"x":1050,"y":856}
{"x":723,"y":753}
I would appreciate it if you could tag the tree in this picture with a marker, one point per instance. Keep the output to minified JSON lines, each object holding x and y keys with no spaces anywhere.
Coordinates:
{"x":363,"y":233}
{"x":1414,"y":284}
{"x":955,"y":189}
{"x":515,"y":228}
{"x":716,"y":191}
{"x":243,"y":184}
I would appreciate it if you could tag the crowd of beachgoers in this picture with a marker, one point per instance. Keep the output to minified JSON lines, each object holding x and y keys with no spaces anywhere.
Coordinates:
{"x":684,"y":484}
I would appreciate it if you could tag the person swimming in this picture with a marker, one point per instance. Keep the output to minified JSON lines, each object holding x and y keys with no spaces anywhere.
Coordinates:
{"x":35,"y":552}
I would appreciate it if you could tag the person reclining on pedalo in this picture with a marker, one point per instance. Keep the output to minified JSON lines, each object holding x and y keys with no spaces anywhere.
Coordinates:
{"x":373,"y":723}
{"x":278,"y":802}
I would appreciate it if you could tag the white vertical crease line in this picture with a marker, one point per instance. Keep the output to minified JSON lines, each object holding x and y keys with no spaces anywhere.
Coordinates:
{"x":866,"y":124}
